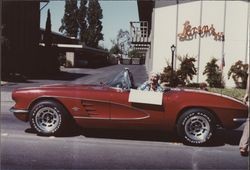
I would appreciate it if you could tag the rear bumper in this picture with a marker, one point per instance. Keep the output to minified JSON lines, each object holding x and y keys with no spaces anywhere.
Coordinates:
{"x":21,"y":114}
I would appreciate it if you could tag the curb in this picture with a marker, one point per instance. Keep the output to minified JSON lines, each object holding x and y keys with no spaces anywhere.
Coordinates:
{"x":6,"y":96}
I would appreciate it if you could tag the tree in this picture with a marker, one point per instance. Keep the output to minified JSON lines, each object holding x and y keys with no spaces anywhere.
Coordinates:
{"x":47,"y":33}
{"x":239,"y":73}
{"x":115,"y":50}
{"x":124,"y":40}
{"x":94,"y":16}
{"x":214,"y":75}
{"x":48,"y":56}
{"x":121,"y":44}
{"x":69,"y":25}
{"x":82,"y":23}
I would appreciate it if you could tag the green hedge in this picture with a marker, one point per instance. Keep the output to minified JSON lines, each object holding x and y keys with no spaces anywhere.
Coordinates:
{"x":232,"y":92}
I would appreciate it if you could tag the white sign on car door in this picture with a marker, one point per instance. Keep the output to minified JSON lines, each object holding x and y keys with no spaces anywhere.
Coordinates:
{"x":146,"y":97}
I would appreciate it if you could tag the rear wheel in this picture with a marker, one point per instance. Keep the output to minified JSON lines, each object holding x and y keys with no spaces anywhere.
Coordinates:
{"x":196,"y":126}
{"x":48,"y":118}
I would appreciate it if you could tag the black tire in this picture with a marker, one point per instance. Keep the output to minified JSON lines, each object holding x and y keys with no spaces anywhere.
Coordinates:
{"x":48,"y":118}
{"x":196,"y":126}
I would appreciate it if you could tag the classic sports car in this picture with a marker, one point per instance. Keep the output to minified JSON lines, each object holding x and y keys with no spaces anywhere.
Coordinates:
{"x":195,"y":114}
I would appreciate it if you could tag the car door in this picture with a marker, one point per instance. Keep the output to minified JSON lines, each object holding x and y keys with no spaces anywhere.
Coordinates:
{"x":126,"y":114}
{"x":129,"y":114}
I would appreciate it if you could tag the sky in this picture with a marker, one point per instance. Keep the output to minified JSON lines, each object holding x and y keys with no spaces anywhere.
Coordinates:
{"x":116,"y":15}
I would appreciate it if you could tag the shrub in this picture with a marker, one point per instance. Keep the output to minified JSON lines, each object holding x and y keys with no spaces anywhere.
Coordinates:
{"x":232,"y":92}
{"x":166,"y":76}
{"x":68,"y":64}
{"x":183,"y":75}
{"x":214,"y":75}
{"x":187,"y":69}
{"x":238,"y":72}
{"x":134,"y":54}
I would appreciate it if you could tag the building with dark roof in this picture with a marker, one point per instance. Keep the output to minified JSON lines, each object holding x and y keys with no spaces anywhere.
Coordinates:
{"x":22,"y":41}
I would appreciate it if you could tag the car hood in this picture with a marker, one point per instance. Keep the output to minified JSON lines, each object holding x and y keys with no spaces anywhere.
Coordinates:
{"x":214,"y":94}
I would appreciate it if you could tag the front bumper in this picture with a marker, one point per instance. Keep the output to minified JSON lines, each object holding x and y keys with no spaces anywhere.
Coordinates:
{"x":21,"y":114}
{"x":239,"y":121}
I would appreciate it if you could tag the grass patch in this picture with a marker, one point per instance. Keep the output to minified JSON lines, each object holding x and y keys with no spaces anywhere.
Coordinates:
{"x":232,"y":92}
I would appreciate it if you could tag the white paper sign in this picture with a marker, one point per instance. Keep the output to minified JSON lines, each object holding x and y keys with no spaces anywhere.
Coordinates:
{"x":147,"y":97}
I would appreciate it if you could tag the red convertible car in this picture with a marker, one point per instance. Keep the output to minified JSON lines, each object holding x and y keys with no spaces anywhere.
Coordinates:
{"x":194,"y":114}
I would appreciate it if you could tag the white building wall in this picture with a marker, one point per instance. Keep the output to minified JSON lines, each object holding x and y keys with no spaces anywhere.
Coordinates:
{"x":189,"y":12}
{"x":230,"y":17}
{"x":236,"y":32}
{"x":164,"y":34}
{"x":149,"y":54}
{"x":212,"y":13}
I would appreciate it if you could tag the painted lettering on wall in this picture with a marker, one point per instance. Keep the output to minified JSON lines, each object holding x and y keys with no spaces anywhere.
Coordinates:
{"x":190,"y":32}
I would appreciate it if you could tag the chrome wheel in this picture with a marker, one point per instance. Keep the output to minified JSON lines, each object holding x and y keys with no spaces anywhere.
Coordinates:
{"x":197,"y":128}
{"x":48,"y":119}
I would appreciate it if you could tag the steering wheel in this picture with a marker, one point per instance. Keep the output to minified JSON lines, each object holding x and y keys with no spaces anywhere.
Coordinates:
{"x":119,"y":85}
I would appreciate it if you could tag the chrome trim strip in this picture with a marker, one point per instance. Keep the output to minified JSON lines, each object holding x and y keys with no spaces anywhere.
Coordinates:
{"x":239,"y":120}
{"x":83,"y":117}
{"x":140,"y":118}
{"x":13,"y":110}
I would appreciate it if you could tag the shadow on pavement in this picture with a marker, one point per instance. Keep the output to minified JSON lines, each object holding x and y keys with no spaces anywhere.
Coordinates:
{"x":231,"y":137}
{"x":222,"y":137}
{"x":141,"y":135}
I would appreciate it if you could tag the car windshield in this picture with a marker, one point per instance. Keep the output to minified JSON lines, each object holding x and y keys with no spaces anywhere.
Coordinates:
{"x":122,"y":80}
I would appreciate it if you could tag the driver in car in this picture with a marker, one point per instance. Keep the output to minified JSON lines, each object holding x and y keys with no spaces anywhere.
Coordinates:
{"x":152,"y":84}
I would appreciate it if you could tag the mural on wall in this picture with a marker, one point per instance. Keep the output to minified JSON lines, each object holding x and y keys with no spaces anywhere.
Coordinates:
{"x":190,"y":32}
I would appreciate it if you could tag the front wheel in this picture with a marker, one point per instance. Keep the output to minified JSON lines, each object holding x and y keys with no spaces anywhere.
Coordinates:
{"x":196,"y":126}
{"x":48,"y":118}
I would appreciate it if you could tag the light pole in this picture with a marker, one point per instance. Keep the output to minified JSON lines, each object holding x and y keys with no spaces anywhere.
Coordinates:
{"x":173,"y":47}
